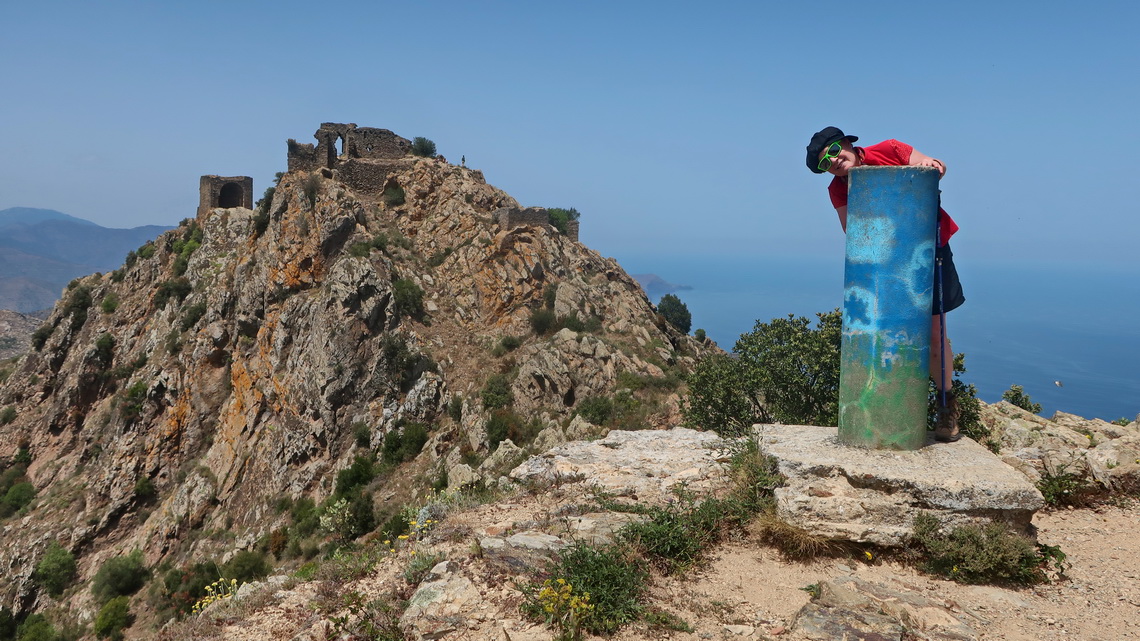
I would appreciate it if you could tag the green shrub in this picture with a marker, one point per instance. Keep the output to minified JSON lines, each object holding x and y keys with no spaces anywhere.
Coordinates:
{"x":455,"y":408}
{"x":110,"y":302}
{"x":380,"y":241}
{"x":56,"y":569}
{"x":1062,"y":488}
{"x":786,"y":371}
{"x":77,"y":305}
{"x":105,"y":349}
{"x":36,"y":628}
{"x":984,"y":554}
{"x":8,"y":415}
{"x":614,"y":579}
{"x":496,"y":392}
{"x":192,"y":315}
{"x":700,"y":335}
{"x":360,"y":250}
{"x":400,"y":365}
{"x":120,"y":576}
{"x":1016,"y":395}
{"x":179,"y":289}
{"x":393,"y":195}
{"x":17,"y":498}
{"x":362,"y":434}
{"x":130,"y":260}
{"x":312,"y":187}
{"x":147,"y":250}
{"x":132,"y":405}
{"x":559,"y":217}
{"x":113,"y":618}
{"x":676,"y":312}
{"x":413,"y":438}
{"x":596,"y":409}
{"x":246,"y":566}
{"x":40,"y":336}
{"x":542,"y":321}
{"x":409,"y":298}
{"x":144,"y":489}
{"x":357,"y":475}
{"x":304,"y":516}
{"x":423,"y":147}
{"x":504,"y":424}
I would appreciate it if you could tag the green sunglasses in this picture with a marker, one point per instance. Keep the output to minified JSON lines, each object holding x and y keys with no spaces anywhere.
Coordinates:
{"x":832,"y":151}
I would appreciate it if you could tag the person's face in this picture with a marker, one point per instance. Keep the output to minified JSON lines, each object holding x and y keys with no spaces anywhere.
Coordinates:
{"x":844,"y":161}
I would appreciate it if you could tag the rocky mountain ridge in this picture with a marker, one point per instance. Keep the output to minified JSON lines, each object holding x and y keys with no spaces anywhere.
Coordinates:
{"x":249,"y":356}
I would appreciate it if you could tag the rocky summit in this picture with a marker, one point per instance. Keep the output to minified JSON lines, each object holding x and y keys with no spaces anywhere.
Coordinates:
{"x":243,"y":362}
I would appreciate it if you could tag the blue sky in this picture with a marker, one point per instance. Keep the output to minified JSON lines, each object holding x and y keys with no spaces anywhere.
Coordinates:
{"x":673,"y":127}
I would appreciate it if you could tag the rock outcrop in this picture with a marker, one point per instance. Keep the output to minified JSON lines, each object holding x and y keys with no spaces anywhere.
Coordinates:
{"x":249,"y":356}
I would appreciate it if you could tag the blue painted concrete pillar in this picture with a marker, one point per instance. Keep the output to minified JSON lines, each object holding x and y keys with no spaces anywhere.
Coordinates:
{"x":892,"y":213}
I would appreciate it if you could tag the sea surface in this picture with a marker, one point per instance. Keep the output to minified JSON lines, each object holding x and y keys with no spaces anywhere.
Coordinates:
{"x":1030,"y":324}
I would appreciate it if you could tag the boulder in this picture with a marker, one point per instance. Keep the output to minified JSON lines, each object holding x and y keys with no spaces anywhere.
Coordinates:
{"x":872,"y":496}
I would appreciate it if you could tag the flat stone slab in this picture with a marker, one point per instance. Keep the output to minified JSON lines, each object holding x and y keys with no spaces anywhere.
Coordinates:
{"x":872,"y":496}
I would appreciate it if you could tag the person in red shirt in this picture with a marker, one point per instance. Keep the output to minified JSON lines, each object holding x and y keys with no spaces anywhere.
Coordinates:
{"x":832,"y":151}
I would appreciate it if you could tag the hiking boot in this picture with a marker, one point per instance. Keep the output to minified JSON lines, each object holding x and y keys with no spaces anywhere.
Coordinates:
{"x":946,"y":425}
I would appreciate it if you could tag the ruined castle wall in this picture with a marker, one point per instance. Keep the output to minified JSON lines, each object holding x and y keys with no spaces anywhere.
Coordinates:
{"x":369,"y":142}
{"x":302,"y":157}
{"x":224,"y":191}
{"x":572,"y":230}
{"x":365,"y":176}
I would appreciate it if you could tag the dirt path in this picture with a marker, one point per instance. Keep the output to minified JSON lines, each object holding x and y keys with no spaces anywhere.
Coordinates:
{"x":749,"y":588}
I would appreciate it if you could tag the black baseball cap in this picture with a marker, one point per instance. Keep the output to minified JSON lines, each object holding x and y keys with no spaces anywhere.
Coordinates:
{"x":820,"y":141}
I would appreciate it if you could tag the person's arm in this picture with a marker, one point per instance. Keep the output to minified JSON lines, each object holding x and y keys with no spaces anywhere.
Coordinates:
{"x":842,"y":211}
{"x":919,"y":159}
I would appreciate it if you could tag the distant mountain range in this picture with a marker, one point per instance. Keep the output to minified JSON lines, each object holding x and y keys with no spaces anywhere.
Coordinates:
{"x":41,"y":250}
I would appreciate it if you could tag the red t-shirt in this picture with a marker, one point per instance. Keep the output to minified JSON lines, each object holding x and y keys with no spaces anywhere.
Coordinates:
{"x":892,"y":153}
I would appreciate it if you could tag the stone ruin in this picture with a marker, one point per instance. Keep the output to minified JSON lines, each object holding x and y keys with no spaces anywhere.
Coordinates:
{"x":364,"y":159}
{"x":224,"y":192}
{"x":361,"y":155}
{"x":511,"y":217}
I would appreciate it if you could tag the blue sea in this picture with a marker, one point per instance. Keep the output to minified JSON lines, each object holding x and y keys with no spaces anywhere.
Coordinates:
{"x":1030,"y":324}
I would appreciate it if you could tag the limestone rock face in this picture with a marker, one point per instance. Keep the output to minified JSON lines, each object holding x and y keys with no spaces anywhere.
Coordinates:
{"x":1106,"y":453}
{"x":850,"y":608}
{"x":872,"y":496}
{"x":645,"y":464}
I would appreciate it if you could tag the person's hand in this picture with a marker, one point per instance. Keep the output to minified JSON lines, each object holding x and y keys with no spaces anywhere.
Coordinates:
{"x":932,"y":162}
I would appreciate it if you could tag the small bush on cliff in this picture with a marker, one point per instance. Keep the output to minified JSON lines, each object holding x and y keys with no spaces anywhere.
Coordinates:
{"x":559,"y":217}
{"x":496,"y":392}
{"x":423,"y":147}
{"x":113,"y":618}
{"x":409,"y":298}
{"x":8,"y":415}
{"x":77,"y":305}
{"x":17,"y":497}
{"x":120,"y":576}
{"x":56,"y":569}
{"x":393,"y":195}
{"x":40,"y":336}
{"x":247,"y":565}
{"x":312,"y":187}
{"x":676,"y":312}
{"x":110,"y":303}
{"x":178,"y":288}
{"x":1016,"y":395}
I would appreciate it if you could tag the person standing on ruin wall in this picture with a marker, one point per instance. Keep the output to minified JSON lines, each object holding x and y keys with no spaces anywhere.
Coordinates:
{"x":831,"y":151}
